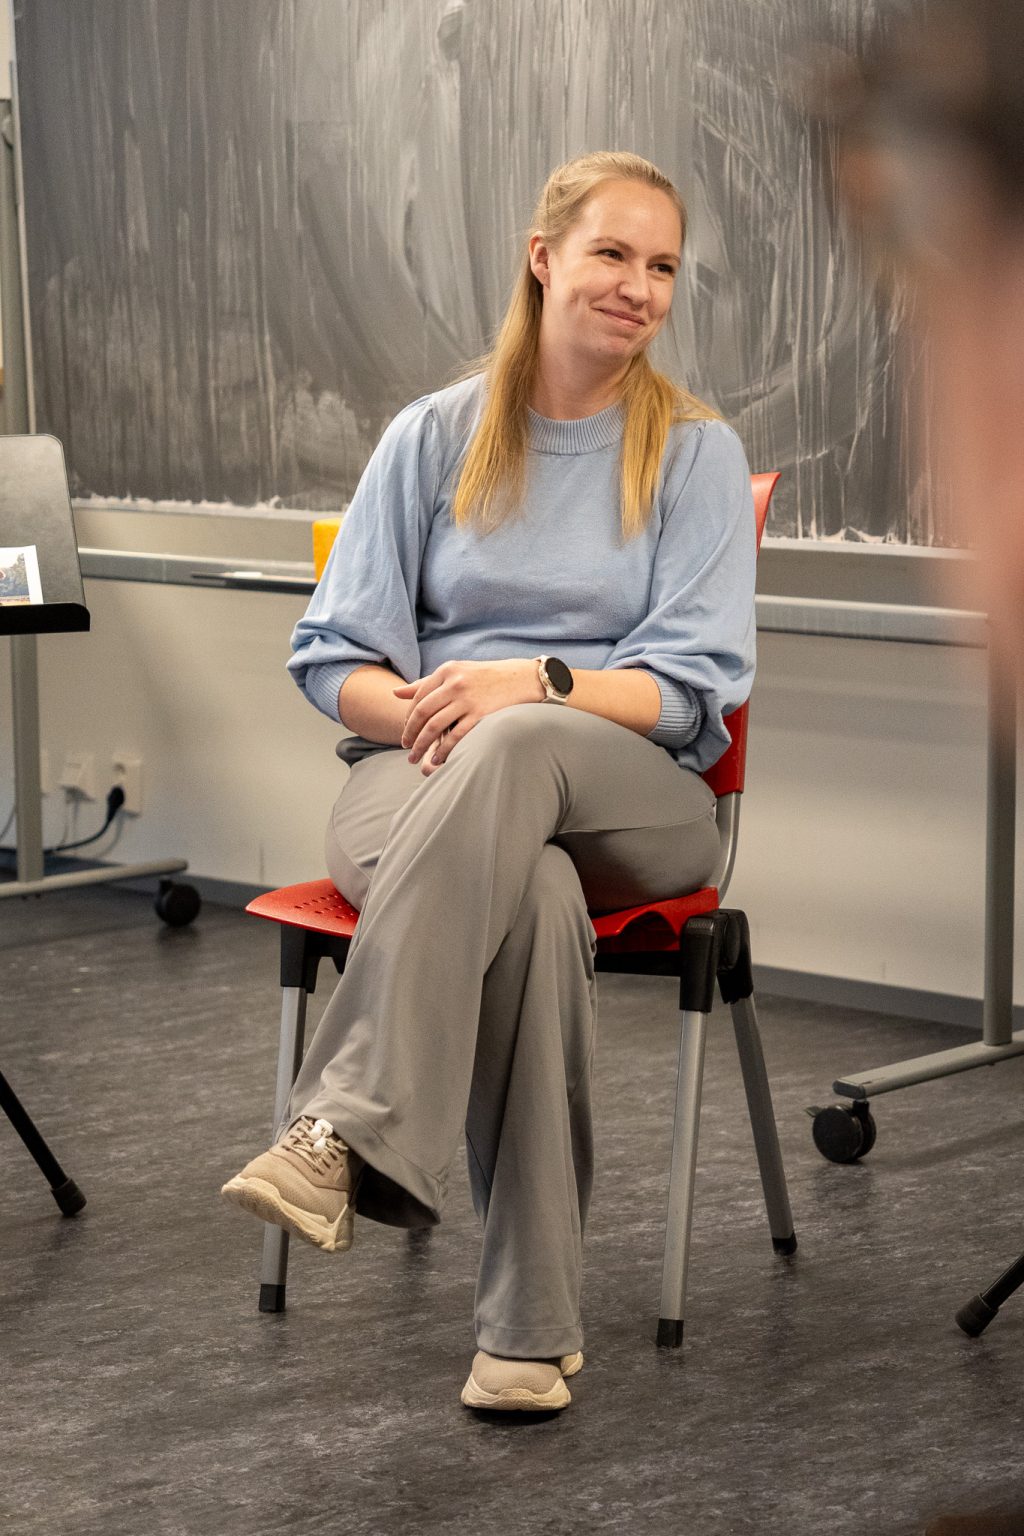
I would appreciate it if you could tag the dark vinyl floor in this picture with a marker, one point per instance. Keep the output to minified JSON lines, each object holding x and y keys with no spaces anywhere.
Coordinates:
{"x":141,"y":1392}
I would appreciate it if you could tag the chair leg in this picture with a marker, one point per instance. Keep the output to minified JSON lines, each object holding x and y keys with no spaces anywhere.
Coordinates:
{"x":275,"y":1240}
{"x":692,"y":1036}
{"x":762,"y":1121}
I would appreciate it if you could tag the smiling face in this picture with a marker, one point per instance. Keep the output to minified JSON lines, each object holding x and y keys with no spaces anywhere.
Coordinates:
{"x":608,"y":284}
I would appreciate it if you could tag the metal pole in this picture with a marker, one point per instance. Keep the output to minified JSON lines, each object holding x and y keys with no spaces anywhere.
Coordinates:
{"x":15,"y":383}
{"x":19,"y":192}
{"x":1000,"y":832}
{"x":27,"y":796}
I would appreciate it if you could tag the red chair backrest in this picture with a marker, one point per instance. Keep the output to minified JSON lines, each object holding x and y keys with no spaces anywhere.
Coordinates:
{"x":726,"y":776}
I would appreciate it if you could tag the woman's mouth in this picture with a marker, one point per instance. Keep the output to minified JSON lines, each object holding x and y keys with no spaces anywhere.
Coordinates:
{"x":627,"y":321}
{"x":634,"y":322}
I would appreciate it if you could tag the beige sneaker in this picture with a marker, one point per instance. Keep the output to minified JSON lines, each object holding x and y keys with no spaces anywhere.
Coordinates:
{"x":529,"y":1386}
{"x":305,"y":1183}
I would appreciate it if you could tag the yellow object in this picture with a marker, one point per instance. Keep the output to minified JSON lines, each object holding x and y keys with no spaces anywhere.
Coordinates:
{"x":325,"y":531}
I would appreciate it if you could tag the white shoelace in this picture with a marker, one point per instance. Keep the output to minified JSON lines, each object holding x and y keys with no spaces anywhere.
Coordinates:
{"x":317,"y":1144}
{"x":321,"y":1129}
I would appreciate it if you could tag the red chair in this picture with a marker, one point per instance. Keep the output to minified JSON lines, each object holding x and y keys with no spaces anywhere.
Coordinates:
{"x":691,"y":937}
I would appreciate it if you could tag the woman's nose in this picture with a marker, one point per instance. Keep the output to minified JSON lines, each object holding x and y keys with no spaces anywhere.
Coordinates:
{"x":635,"y":284}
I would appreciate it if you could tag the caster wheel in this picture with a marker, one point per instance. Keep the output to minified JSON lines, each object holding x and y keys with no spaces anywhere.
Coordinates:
{"x":844,"y":1133}
{"x":177,"y":905}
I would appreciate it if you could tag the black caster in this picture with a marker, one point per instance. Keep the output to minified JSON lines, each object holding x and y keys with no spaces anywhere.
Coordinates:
{"x":843,"y":1133}
{"x":177,"y":905}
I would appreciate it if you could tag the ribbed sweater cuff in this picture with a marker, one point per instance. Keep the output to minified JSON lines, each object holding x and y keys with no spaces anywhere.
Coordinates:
{"x":323,"y":681}
{"x":682,"y":713}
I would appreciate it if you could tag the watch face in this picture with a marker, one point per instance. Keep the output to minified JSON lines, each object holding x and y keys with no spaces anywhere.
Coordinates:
{"x":559,"y":674}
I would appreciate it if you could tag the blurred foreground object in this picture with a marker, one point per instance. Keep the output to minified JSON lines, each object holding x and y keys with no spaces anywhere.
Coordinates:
{"x":930,"y":131}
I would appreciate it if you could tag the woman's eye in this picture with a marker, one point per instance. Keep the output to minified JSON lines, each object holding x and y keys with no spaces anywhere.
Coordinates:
{"x":666,"y":268}
{"x":610,"y":251}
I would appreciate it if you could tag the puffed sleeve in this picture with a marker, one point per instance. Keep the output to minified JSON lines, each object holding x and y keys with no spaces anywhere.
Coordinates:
{"x":364,"y":607}
{"x":698,"y":637}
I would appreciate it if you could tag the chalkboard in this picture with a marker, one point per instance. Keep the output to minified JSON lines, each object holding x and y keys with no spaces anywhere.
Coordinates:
{"x":257,"y":228}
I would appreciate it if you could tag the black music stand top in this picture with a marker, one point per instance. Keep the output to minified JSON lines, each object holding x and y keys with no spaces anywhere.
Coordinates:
{"x":40,"y":577}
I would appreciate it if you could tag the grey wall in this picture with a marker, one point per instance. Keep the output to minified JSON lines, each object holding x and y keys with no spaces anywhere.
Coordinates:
{"x":259,"y":227}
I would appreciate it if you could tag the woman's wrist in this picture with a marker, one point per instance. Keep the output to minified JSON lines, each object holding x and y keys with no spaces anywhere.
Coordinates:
{"x":533,"y":688}
{"x":628,"y":696}
{"x":367,"y":705}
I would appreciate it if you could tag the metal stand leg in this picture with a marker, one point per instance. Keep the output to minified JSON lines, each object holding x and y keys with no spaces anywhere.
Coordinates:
{"x":999,"y":1041}
{"x":64,"y":1190}
{"x":975,"y":1316}
{"x":1000,"y":845}
{"x":762,"y":1121}
{"x":275,"y":1240}
{"x":692,"y":1035}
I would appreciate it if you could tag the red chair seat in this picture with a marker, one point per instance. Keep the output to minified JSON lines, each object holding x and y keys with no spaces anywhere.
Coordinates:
{"x":317,"y":907}
{"x":314,"y":905}
{"x":656,"y":926}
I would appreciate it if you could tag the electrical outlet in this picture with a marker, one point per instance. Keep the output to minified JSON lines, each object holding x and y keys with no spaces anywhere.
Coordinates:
{"x":127,"y":771}
{"x":79,"y":774}
{"x":45,"y":777}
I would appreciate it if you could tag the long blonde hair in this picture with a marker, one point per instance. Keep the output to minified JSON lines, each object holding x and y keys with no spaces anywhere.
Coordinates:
{"x":493,"y":478}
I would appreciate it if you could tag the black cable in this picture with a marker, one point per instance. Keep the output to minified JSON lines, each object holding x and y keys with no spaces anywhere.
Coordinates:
{"x":115,"y":800}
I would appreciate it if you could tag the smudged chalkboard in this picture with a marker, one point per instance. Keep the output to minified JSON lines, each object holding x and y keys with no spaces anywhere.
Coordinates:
{"x":257,"y":228}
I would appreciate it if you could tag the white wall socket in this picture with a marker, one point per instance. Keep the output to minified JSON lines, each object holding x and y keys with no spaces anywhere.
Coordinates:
{"x":79,"y":774}
{"x":127,"y":771}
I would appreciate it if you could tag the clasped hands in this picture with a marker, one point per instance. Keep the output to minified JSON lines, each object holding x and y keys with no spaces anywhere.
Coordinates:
{"x":447,"y":704}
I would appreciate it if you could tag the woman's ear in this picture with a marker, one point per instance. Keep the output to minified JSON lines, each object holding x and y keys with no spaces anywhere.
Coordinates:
{"x":539,"y":257}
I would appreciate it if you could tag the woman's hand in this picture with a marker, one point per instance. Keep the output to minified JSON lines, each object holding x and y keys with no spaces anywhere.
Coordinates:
{"x":448,"y":703}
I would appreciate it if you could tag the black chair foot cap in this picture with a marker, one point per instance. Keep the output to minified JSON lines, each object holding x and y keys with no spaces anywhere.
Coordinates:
{"x":670,"y":1332}
{"x":271,"y":1298}
{"x":785,"y":1245}
{"x":975,"y":1317}
{"x":68,"y":1196}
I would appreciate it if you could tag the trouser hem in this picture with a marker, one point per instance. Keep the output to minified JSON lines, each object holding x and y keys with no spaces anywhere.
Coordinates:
{"x":529,"y":1343}
{"x":391,"y":1189}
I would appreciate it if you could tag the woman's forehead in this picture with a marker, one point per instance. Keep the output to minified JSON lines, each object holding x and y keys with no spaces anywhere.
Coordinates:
{"x":617,"y":204}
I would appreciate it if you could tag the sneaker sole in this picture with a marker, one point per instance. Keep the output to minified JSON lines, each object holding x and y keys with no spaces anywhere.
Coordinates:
{"x":516,"y":1399}
{"x":262,"y":1199}
{"x":520,"y":1399}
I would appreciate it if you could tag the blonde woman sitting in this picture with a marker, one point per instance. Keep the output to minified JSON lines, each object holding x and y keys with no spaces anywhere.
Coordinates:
{"x":537,"y":611}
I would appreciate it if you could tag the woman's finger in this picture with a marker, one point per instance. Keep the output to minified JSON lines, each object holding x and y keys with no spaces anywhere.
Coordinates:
{"x":426,"y":703}
{"x":446,"y":742}
{"x":427,"y":736}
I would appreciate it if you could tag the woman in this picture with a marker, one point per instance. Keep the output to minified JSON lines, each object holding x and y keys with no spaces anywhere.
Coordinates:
{"x":564,"y":528}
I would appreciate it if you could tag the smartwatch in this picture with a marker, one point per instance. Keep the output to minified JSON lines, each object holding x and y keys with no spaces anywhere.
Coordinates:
{"x":555,"y":678}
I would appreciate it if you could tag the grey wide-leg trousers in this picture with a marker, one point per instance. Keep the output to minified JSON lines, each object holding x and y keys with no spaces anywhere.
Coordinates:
{"x":468,"y":1000}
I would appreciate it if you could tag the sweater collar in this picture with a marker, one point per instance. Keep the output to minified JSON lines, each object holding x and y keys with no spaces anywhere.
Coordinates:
{"x":583,"y":436}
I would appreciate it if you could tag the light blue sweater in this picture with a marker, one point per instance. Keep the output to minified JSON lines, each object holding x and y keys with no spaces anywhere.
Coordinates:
{"x":404,"y":587}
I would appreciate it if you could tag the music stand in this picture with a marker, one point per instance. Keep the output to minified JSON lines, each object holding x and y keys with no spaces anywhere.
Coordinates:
{"x":40,"y":593}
